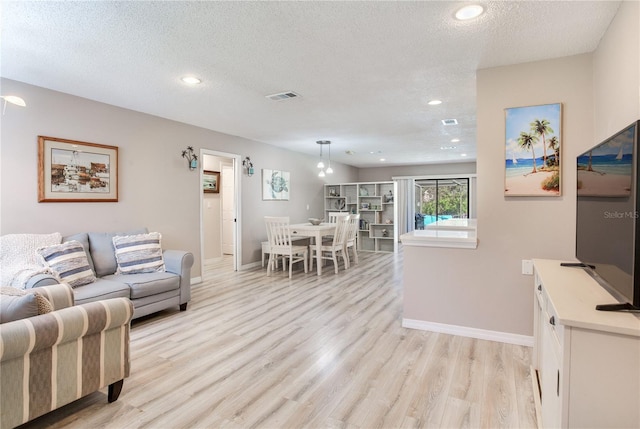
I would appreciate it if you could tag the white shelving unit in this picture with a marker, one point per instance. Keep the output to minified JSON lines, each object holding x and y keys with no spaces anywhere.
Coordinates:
{"x":375,"y":201}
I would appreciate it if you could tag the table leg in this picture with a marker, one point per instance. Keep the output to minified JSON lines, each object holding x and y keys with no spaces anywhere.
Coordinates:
{"x":318,"y":254}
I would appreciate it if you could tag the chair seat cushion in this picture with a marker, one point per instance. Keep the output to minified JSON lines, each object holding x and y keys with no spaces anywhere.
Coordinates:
{"x":146,"y":284}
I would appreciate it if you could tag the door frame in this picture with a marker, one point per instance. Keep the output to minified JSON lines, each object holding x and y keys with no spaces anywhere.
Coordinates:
{"x":237,"y":230}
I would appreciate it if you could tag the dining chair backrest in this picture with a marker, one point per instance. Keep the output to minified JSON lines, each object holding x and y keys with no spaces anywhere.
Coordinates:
{"x":278,"y":232}
{"x":342,"y":230}
{"x":333,"y":216}
{"x":354,"y":224}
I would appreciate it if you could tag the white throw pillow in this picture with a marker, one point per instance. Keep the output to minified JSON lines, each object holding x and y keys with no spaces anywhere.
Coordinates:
{"x":69,"y":263}
{"x":141,"y":253}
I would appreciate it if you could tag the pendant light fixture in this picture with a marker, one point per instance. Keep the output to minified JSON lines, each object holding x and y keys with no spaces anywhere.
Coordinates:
{"x":321,"y":163}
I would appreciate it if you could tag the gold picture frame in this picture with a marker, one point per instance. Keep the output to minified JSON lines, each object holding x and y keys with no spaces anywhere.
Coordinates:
{"x":75,"y":171}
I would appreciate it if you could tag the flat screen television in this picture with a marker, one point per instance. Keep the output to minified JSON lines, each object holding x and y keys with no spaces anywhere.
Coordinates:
{"x":607,"y":235}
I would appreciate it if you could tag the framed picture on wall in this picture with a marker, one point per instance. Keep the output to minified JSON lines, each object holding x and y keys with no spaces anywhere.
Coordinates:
{"x":210,"y":182}
{"x":75,"y":171}
{"x":275,"y":184}
{"x":532,"y":151}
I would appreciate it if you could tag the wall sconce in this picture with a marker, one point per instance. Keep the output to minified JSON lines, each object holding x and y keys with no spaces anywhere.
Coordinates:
{"x":246,"y":162}
{"x":191,"y":157}
{"x":13,"y":99}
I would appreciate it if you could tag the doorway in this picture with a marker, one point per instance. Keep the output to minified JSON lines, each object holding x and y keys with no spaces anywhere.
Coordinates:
{"x":220,"y":211}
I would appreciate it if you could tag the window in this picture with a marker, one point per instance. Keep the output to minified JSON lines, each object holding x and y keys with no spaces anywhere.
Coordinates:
{"x":440,"y":199}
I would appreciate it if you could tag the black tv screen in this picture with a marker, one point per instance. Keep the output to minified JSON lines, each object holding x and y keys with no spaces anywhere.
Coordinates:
{"x":607,"y":214}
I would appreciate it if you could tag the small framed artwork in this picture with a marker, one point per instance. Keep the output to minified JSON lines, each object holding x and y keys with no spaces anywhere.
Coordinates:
{"x":210,"y":182}
{"x":75,"y":171}
{"x":276,"y":184}
{"x":532,"y":151}
{"x":364,"y":206}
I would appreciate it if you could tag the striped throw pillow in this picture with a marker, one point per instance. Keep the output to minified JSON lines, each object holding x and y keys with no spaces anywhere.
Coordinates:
{"x":141,"y":253}
{"x":69,"y":263}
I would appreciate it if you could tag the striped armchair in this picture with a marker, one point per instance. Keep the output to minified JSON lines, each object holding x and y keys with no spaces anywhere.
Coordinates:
{"x":50,"y":360}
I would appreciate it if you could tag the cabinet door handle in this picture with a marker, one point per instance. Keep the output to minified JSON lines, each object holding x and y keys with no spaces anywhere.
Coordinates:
{"x":558,"y":384}
{"x":552,"y":320}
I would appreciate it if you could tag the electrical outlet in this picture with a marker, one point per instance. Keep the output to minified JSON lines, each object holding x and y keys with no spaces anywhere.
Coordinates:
{"x":527,"y":267}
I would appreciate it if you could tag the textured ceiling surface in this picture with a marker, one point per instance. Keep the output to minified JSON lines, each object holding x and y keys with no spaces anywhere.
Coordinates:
{"x":364,"y":70}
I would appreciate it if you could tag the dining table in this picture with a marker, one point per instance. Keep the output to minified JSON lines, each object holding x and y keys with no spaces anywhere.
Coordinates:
{"x":317,"y":232}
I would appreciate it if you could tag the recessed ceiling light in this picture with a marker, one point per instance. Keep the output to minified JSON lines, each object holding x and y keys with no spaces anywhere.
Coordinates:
{"x":191,"y":80}
{"x":469,"y":12}
{"x":455,"y":140}
{"x":463,"y":154}
{"x":449,"y":122}
{"x":382,"y":160}
{"x":447,"y":147}
{"x":434,"y":102}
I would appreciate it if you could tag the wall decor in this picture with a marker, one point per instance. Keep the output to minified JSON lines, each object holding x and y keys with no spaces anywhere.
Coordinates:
{"x":532,"y":151}
{"x":75,"y":171}
{"x":210,"y":182}
{"x":276,"y":184}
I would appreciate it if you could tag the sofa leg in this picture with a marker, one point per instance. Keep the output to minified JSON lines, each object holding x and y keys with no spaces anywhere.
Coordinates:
{"x":183,"y":307}
{"x":114,"y":391}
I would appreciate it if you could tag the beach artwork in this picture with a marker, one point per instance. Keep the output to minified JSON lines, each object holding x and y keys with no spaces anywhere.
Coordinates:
{"x":607,"y":169}
{"x":532,"y":150}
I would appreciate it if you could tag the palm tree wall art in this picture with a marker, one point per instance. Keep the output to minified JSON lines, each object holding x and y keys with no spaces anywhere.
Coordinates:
{"x":532,"y":150}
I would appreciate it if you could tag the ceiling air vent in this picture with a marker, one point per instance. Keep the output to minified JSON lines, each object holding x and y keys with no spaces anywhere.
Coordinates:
{"x":449,"y":122}
{"x":282,"y":96}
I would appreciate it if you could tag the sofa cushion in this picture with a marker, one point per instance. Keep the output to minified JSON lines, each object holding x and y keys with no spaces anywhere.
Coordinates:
{"x":16,"y":304}
{"x":147,"y":284}
{"x":102,"y":251}
{"x":100,"y":289}
{"x":141,"y":253}
{"x":69,"y":263}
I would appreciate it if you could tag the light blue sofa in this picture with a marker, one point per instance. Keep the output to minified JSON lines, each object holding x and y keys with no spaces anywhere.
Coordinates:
{"x":149,"y":292}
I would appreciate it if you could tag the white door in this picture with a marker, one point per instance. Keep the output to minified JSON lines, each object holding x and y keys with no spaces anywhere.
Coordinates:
{"x":228,"y":215}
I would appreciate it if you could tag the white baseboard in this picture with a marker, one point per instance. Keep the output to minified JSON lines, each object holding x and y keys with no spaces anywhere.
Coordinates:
{"x":464,"y":331}
{"x":250,"y":266}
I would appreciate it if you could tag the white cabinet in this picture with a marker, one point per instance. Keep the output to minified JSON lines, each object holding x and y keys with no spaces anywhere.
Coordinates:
{"x":375,"y":201}
{"x":587,"y":361}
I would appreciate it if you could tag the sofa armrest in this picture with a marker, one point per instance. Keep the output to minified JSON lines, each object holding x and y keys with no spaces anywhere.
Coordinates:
{"x":39,"y":280}
{"x":76,"y":322}
{"x":59,"y":295}
{"x":180,"y":262}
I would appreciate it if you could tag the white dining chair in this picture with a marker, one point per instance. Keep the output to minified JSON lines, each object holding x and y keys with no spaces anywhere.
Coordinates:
{"x":351,"y":241}
{"x":335,"y":247}
{"x":333,"y":216}
{"x":280,"y":245}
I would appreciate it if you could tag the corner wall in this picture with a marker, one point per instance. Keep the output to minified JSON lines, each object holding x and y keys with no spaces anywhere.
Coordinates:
{"x":514,"y":228}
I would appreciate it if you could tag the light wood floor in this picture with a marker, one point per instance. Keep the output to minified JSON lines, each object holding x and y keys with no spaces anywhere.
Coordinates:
{"x":311,"y":352}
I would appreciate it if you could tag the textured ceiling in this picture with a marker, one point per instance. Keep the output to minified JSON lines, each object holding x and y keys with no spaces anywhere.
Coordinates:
{"x":364,"y":70}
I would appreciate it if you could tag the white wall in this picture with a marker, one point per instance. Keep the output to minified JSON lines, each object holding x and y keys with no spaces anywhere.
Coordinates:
{"x":514,"y":228}
{"x":157,"y":190}
{"x":616,"y":75}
